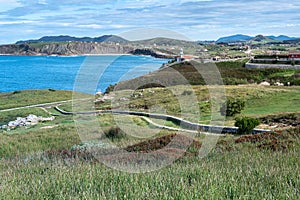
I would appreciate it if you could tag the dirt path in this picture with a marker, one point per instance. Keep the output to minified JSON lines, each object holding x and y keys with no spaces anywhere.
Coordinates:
{"x":36,"y":105}
{"x":186,"y":125}
{"x":177,"y":129}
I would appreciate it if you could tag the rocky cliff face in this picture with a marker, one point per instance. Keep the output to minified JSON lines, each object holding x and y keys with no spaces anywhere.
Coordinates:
{"x":66,"y":49}
{"x":17,"y":49}
{"x":78,"y":48}
{"x":84,"y":48}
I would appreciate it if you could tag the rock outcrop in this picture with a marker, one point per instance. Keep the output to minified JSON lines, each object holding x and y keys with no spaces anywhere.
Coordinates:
{"x":13,"y":49}
{"x":78,"y":48}
{"x":74,"y":48}
{"x":30,"y":120}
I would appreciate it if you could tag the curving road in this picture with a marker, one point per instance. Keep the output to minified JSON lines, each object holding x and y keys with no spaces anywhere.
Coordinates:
{"x":186,"y":125}
{"x":36,"y":105}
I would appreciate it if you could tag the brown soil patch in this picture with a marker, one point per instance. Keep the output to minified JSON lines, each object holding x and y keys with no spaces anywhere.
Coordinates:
{"x":277,"y":141}
{"x":282,"y":120}
{"x":256,"y":138}
{"x":172,"y":141}
{"x":275,"y":145}
{"x":163,"y":149}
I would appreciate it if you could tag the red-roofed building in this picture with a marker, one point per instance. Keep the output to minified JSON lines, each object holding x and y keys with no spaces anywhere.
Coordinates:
{"x":294,"y":55}
{"x":183,"y":57}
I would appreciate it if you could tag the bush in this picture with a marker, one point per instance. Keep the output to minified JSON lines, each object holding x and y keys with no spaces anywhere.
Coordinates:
{"x":246,"y":124}
{"x":115,"y":133}
{"x":17,"y":92}
{"x":110,"y":88}
{"x":234,"y":81}
{"x":187,"y":93}
{"x":232,"y":107}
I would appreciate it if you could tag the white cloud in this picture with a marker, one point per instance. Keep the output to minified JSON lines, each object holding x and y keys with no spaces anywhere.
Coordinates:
{"x":8,"y":4}
{"x":17,"y":22}
{"x":117,"y":26}
{"x":292,"y":25}
{"x":29,"y":31}
{"x":197,"y":18}
{"x":148,"y":33}
{"x":94,"y":26}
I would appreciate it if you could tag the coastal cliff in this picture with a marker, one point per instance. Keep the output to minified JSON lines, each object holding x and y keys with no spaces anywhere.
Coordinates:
{"x":77,"y":48}
{"x":13,"y":49}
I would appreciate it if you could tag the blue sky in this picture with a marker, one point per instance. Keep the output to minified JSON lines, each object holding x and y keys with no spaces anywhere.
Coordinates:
{"x":197,"y":20}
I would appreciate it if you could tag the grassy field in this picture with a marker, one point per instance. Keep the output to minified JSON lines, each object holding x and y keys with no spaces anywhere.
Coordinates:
{"x":278,"y":102}
{"x":232,"y":171}
{"x":51,"y":160}
{"x":260,"y":100}
{"x":26,"y":98}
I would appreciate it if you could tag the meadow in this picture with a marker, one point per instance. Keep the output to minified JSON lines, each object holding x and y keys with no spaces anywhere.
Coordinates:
{"x":231,"y":171}
{"x":51,"y":161}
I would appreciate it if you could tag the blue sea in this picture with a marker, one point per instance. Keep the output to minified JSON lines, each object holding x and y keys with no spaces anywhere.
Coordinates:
{"x":63,"y":72}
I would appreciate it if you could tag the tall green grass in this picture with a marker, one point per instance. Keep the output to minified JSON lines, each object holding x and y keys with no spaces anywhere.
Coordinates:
{"x":227,"y":175}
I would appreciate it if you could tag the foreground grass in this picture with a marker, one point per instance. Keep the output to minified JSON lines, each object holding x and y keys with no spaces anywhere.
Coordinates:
{"x":227,"y":175}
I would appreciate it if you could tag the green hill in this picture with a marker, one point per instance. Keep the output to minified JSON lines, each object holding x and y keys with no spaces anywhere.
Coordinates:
{"x":232,"y":73}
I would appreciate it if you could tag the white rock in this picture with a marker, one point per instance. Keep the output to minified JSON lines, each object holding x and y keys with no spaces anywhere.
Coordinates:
{"x":265,"y":83}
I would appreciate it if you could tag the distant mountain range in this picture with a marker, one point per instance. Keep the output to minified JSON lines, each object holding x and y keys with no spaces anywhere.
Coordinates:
{"x":114,"y":38}
{"x":66,"y":38}
{"x":258,"y":38}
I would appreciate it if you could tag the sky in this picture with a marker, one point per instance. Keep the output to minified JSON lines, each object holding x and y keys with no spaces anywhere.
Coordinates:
{"x":196,"y":20}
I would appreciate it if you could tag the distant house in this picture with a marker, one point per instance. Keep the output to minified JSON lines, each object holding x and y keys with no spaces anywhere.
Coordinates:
{"x":294,"y":55}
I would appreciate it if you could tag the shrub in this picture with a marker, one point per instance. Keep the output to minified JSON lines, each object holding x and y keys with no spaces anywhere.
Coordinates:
{"x":150,"y":85}
{"x":110,"y":88}
{"x":17,"y":92}
{"x":246,"y":124}
{"x":232,"y":107}
{"x":234,"y":81}
{"x":205,"y":106}
{"x":187,"y":93}
{"x":115,"y":133}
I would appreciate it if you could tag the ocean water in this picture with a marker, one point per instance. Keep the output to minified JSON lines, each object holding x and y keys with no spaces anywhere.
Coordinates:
{"x":63,"y":72}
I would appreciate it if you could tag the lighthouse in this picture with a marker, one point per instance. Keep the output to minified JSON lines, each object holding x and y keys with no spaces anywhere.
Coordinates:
{"x":180,"y":57}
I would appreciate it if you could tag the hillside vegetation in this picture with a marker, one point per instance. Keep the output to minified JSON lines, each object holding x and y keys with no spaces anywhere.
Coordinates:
{"x":32,"y":97}
{"x":52,"y":160}
{"x":230,"y":73}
